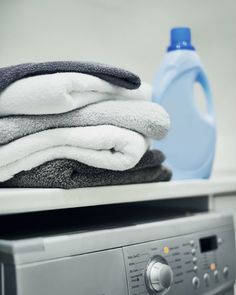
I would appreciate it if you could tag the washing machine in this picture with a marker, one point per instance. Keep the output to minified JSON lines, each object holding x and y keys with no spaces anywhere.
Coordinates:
{"x":190,"y":254}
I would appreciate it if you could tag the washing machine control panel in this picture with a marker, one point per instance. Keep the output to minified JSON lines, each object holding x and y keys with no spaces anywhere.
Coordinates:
{"x":191,"y":264}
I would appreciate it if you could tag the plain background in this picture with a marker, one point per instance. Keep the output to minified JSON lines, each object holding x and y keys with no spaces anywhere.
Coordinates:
{"x":132,"y":34}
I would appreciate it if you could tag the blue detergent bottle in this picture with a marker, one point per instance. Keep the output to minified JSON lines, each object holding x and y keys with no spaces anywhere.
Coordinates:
{"x":190,"y":145}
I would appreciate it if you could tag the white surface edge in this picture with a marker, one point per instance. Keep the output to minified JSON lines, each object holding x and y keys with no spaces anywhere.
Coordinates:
{"x":29,"y":200}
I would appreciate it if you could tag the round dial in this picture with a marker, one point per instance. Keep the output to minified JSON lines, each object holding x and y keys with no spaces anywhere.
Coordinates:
{"x":159,"y":276}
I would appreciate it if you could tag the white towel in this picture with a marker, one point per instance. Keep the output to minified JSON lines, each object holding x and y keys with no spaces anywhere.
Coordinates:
{"x":102,"y":146}
{"x":62,"y":92}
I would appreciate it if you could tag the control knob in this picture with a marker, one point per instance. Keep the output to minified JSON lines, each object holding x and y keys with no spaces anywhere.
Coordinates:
{"x":159,"y":276}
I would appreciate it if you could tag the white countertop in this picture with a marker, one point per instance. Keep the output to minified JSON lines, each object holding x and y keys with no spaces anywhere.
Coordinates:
{"x":28,"y":200}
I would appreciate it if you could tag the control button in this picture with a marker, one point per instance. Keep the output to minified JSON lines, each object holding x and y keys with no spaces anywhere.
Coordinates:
{"x":216,"y":274}
{"x":195,"y":268}
{"x":226,"y":272}
{"x":206,"y":278}
{"x":193,"y":251}
{"x":159,"y":275}
{"x":220,"y":241}
{"x":194,"y":260}
{"x":192,"y":243}
{"x":196,"y":282}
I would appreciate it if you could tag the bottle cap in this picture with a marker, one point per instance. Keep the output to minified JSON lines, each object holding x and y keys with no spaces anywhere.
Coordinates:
{"x":180,"y":39}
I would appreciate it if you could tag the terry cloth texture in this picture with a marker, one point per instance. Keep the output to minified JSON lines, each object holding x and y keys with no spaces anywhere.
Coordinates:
{"x":70,"y":174}
{"x":62,"y":92}
{"x":103,"y":146}
{"x":111,"y":74}
{"x":144,"y":117}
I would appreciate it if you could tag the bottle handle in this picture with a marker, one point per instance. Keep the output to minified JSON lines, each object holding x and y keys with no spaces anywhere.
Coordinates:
{"x":203,"y":81}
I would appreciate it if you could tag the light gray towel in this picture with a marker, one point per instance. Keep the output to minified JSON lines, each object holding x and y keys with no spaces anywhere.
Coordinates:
{"x":113,"y":75}
{"x":144,"y":117}
{"x":70,"y":174}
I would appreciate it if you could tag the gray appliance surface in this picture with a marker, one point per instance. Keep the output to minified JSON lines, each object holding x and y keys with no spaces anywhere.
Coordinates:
{"x":199,"y":251}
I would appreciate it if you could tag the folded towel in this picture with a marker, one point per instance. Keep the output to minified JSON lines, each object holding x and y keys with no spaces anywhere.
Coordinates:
{"x":62,"y":92}
{"x":144,"y":117}
{"x":110,"y":74}
{"x":70,"y":174}
{"x":104,"y":146}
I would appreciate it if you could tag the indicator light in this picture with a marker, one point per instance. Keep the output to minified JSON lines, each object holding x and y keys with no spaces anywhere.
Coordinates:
{"x":213,"y":266}
{"x":166,"y":250}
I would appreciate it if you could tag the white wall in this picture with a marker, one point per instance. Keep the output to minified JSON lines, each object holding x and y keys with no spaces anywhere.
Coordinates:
{"x":131,"y":34}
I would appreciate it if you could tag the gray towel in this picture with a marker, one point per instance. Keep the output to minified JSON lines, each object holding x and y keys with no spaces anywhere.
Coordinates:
{"x":68,"y":174}
{"x":110,"y":74}
{"x":144,"y":117}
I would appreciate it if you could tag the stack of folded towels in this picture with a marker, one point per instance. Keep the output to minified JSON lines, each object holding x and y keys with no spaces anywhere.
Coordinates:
{"x":77,"y":124}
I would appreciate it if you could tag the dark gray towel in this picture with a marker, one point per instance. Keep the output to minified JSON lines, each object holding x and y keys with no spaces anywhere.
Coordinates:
{"x":110,"y":74}
{"x":70,"y":174}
